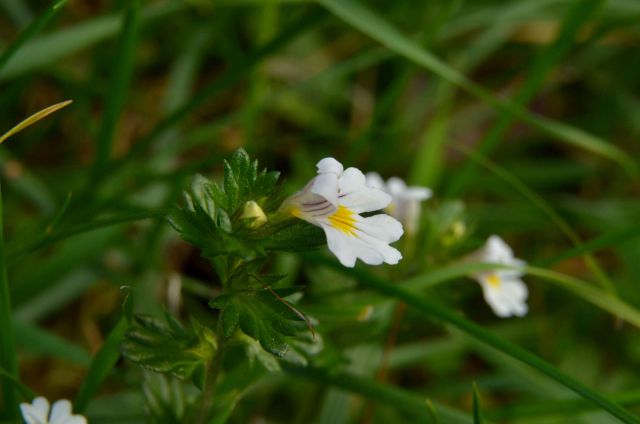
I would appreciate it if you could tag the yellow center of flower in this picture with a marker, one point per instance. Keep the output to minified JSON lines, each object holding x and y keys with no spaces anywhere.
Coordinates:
{"x":343,"y":219}
{"x":391,"y":208}
{"x":493,"y":280}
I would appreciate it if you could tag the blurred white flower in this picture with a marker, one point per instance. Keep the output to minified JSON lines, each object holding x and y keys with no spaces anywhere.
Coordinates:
{"x":406,"y":201}
{"x":37,"y":412}
{"x":503,"y":289}
{"x":333,"y":201}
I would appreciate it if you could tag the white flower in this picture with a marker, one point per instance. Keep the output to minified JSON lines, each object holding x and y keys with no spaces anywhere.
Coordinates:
{"x":503,"y":289}
{"x":38,"y":412}
{"x":405,"y":201}
{"x":333,"y":201}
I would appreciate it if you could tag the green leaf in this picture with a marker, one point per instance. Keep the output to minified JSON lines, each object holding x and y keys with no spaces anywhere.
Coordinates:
{"x":262,"y":313}
{"x":296,"y":236}
{"x":167,"y":346}
{"x":197,"y":222}
{"x":167,"y":399}
{"x":242,"y":182}
{"x":210,"y":217}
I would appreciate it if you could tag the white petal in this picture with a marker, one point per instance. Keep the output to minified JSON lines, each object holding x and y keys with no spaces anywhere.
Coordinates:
{"x":382,"y":227}
{"x":374,"y":180}
{"x":352,"y":179}
{"x":76,"y":419}
{"x":357,"y":196}
{"x":497,"y":250}
{"x":418,"y":193}
{"x":411,"y":215}
{"x":37,"y":412}
{"x":60,"y":412}
{"x":509,"y":298}
{"x":325,"y":186}
{"x":329,"y":165}
{"x":368,"y":241}
{"x":340,"y":245}
{"x":396,"y":186}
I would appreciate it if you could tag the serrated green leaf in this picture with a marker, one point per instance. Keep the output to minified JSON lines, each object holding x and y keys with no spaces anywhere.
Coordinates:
{"x":256,"y":353}
{"x":230,"y":319}
{"x":270,"y":279}
{"x":210,"y":218}
{"x":231,"y":187}
{"x":201,"y":189}
{"x":219,"y":302}
{"x":167,"y":346}
{"x":166,"y":399}
{"x":262,"y":316}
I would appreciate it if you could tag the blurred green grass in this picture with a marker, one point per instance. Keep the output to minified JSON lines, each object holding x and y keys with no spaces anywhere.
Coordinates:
{"x":547,"y":90}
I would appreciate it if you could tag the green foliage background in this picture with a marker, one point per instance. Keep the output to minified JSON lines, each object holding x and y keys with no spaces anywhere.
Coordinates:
{"x":522,"y":116}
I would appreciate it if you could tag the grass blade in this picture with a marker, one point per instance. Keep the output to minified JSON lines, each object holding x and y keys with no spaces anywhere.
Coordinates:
{"x":541,"y":204}
{"x":7,"y":377}
{"x":35,"y":27}
{"x":42,"y":51}
{"x":574,"y":20}
{"x":40,"y":242}
{"x":405,"y":401}
{"x":119,"y":85}
{"x":34,"y":118}
{"x":372,"y":25}
{"x":446,"y":315}
{"x":586,"y":291}
{"x":566,"y":408}
{"x":8,"y":356}
{"x":580,"y":288}
{"x":101,"y":365}
{"x":235,"y":73}
{"x":612,"y":238}
{"x":39,"y":341}
{"x":477,"y":412}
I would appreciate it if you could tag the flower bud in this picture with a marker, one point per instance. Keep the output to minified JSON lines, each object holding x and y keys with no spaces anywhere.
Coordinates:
{"x":254,"y":215}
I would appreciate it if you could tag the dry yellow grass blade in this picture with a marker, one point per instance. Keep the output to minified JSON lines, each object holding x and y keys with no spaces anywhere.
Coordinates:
{"x":34,"y":118}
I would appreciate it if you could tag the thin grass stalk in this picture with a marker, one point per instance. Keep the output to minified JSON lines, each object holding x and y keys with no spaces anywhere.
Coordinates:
{"x":8,"y":356}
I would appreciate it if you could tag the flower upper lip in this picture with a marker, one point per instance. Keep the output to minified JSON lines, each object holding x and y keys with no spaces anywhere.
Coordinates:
{"x":333,"y":201}
{"x":503,"y":289}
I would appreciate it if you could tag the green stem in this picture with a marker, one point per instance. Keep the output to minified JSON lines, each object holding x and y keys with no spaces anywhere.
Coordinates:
{"x":214,"y":368}
{"x":8,"y":357}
